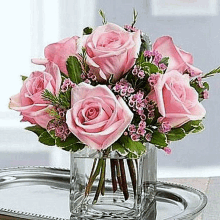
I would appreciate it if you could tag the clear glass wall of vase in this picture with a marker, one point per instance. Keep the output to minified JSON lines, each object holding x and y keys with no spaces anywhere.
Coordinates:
{"x":113,"y":186}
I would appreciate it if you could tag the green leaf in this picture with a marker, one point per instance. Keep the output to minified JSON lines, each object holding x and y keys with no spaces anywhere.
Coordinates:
{"x":23,"y":78}
{"x":74,"y":69}
{"x":102,"y":14}
{"x":134,"y":147}
{"x":153,"y":68}
{"x":206,"y":85}
{"x":159,"y":139}
{"x":71,"y":143}
{"x":165,"y":60}
{"x":45,"y":138}
{"x":36,"y":129}
{"x":176,"y":134}
{"x":52,"y":134}
{"x":74,"y":147}
{"x":119,"y":148}
{"x":191,"y":125}
{"x":71,"y":139}
{"x":198,"y":129}
{"x":87,"y":31}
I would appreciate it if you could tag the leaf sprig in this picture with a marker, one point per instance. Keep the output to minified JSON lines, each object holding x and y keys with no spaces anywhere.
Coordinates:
{"x":212,"y":73}
{"x":62,"y":100}
{"x":135,"y":15}
{"x":102,"y":14}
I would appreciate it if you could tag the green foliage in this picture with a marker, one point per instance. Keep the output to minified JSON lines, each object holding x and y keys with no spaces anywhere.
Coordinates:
{"x":149,"y":67}
{"x":126,"y":147}
{"x":102,"y":14}
{"x":47,"y":139}
{"x":195,"y":85}
{"x":164,"y":60}
{"x":87,"y":31}
{"x":50,"y":97}
{"x":159,"y":139}
{"x":212,"y":73}
{"x":74,"y":69}
{"x":135,"y":14}
{"x":52,"y":112}
{"x":65,"y":99}
{"x":62,"y":100}
{"x":83,"y":55}
{"x":71,"y":143}
{"x":192,"y":126}
{"x":176,"y":134}
{"x":199,"y":128}
{"x":36,"y":129}
{"x":145,"y":43}
{"x":23,"y":78}
{"x":120,"y":149}
{"x":141,"y":59}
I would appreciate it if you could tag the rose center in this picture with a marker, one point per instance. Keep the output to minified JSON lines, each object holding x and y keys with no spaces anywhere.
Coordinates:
{"x":109,"y":40}
{"x":179,"y":91}
{"x":38,"y":85}
{"x":92,"y":113}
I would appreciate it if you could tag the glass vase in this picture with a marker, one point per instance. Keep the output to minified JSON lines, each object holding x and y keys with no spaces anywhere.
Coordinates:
{"x":113,"y":186}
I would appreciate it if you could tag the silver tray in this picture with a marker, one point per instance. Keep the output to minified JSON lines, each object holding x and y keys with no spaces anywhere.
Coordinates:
{"x":43,"y":193}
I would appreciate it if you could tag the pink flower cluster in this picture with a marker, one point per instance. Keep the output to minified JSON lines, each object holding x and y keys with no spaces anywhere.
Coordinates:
{"x":60,"y":127}
{"x":153,"y":79}
{"x":164,"y":127}
{"x":139,"y":132}
{"x":88,"y":77}
{"x":138,"y":72}
{"x":123,"y":87}
{"x":156,"y":57}
{"x":142,"y":106}
{"x":67,"y":84}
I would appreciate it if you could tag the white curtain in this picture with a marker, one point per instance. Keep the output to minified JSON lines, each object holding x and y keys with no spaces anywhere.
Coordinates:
{"x":26,"y":28}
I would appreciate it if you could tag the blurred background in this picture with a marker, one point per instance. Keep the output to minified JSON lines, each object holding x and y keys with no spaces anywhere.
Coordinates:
{"x":28,"y":26}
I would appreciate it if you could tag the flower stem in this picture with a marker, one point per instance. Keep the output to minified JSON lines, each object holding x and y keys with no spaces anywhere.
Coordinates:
{"x":93,"y":176}
{"x":113,"y":170}
{"x":118,"y":174}
{"x":101,"y":180}
{"x":123,"y":179}
{"x":103,"y":184}
{"x":132,"y":174}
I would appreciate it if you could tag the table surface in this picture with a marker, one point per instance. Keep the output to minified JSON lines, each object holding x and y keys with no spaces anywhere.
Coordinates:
{"x":210,"y":186}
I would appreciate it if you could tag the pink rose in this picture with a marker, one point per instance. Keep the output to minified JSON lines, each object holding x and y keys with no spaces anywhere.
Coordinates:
{"x":29,"y":101}
{"x":177,"y":101}
{"x":60,"y":51}
{"x":111,"y":50}
{"x":97,"y":117}
{"x":178,"y":58}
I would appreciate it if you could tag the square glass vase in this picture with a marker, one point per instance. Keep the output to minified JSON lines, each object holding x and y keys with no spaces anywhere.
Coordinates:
{"x":113,"y":186}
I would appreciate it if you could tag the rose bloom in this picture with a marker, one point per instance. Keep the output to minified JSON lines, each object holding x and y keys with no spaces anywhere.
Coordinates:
{"x":178,"y":59}
{"x":60,"y":51}
{"x":97,"y":117}
{"x":111,"y":50}
{"x":177,"y":101}
{"x":29,"y":101}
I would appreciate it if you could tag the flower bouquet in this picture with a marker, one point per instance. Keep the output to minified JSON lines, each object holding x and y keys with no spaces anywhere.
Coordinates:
{"x":111,"y":98}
